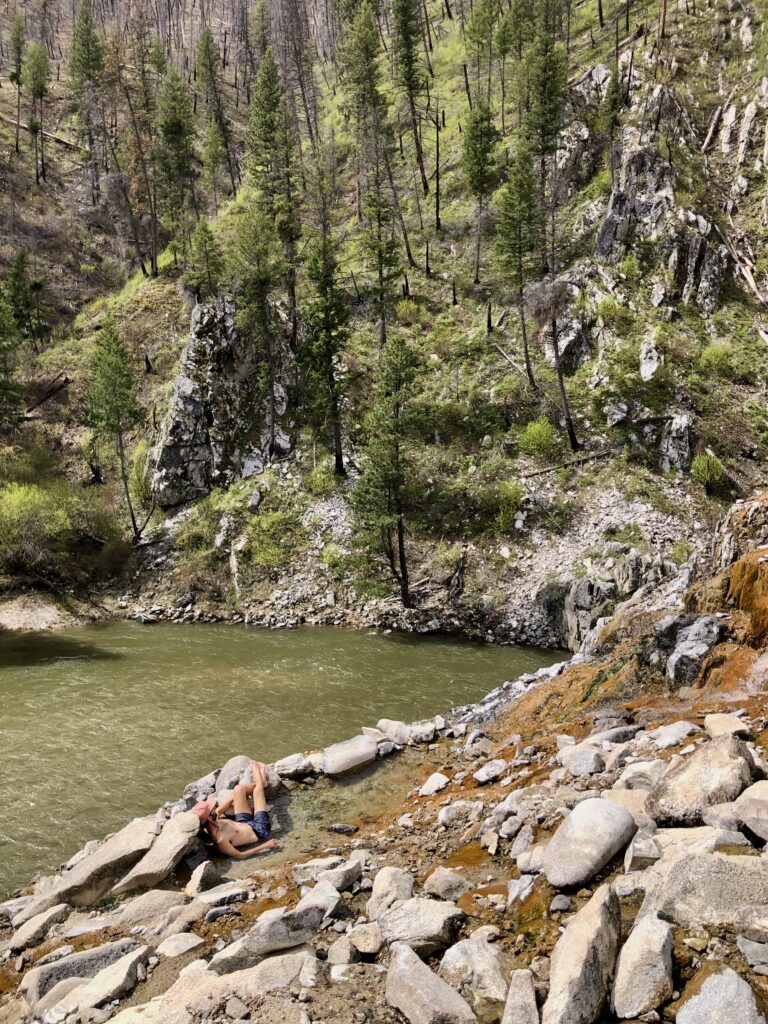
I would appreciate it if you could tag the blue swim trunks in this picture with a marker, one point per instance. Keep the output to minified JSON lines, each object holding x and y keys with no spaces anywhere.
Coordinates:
{"x":259,"y":822}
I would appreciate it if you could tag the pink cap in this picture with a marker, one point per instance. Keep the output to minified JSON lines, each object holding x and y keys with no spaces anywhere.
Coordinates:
{"x":204,"y":808}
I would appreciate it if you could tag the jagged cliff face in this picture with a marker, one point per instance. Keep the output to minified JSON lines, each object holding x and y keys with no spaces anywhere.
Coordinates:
{"x":227,"y":414}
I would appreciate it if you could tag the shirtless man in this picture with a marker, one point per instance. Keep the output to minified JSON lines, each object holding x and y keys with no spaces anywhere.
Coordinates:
{"x":249,"y":826}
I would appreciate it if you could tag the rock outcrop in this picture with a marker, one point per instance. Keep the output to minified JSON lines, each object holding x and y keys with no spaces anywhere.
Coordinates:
{"x":223,"y":422}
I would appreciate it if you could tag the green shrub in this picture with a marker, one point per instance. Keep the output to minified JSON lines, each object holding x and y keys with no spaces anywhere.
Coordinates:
{"x":275,"y":539}
{"x":140,"y":482}
{"x":716,"y":360}
{"x":510,"y":500}
{"x":408,"y":312}
{"x":539,"y":439}
{"x":321,"y":482}
{"x":35,"y":528}
{"x":709,"y":471}
{"x":681,"y":552}
{"x":630,"y":268}
{"x":613,"y":313}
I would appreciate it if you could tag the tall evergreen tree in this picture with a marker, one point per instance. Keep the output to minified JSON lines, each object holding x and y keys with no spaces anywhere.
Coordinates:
{"x":518,"y":231}
{"x":547,"y":71}
{"x":374,"y":142}
{"x":271,"y":152}
{"x":381,"y":498}
{"x":478,"y":159}
{"x":326,"y":315}
{"x":408,"y":67}
{"x":17,"y":66}
{"x":85,"y":62}
{"x":206,"y":260}
{"x":176,"y":153}
{"x":37,"y":78}
{"x":113,"y":408}
{"x":254,"y":266}
{"x":213,"y":160}
{"x":208,"y":64}
{"x":10,"y":340}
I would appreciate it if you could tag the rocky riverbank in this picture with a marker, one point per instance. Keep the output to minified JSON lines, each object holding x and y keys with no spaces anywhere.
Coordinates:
{"x":590,"y":848}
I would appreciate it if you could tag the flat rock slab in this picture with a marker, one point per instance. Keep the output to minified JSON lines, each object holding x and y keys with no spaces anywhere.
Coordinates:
{"x":419,"y":994}
{"x":344,"y":876}
{"x":349,"y":755}
{"x":715,"y":773}
{"x":114,"y":981}
{"x":274,"y":930}
{"x":490,"y":771}
{"x":36,"y":929}
{"x":425,"y":925}
{"x":177,"y":838}
{"x":200,"y":992}
{"x":583,"y":960}
{"x":725,"y":725}
{"x":592,"y":834}
{"x":178,"y":945}
{"x":644,"y":970}
{"x":37,"y":982}
{"x":520,"y":1007}
{"x":434,"y":784}
{"x":94,"y":874}
{"x":311,"y":869}
{"x":719,"y":996}
{"x":700,"y":889}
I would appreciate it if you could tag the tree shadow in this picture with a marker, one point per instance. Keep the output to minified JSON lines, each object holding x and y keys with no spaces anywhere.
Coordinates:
{"x":25,"y":650}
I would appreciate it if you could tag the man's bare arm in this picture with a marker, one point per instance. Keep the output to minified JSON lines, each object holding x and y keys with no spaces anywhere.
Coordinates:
{"x":228,"y":850}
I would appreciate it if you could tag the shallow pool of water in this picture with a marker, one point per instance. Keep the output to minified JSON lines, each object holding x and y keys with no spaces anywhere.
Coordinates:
{"x":101,"y":723}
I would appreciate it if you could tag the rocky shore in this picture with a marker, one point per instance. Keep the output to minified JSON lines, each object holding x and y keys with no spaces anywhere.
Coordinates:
{"x":590,"y":849}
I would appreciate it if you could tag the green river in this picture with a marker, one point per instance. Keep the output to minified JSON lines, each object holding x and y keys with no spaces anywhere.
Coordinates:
{"x":100,"y":724}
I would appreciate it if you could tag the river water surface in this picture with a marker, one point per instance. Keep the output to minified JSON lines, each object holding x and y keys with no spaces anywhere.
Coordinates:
{"x":99,"y":724}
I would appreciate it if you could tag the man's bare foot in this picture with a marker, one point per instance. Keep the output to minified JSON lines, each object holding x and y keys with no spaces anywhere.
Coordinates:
{"x":259,"y":770}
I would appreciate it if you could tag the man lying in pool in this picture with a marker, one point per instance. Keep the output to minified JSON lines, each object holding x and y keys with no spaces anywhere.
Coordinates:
{"x":250,"y":825}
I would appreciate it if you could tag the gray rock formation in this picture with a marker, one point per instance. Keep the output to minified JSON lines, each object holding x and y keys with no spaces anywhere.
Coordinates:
{"x":720,"y":996}
{"x":644,"y":969}
{"x":223,"y":421}
{"x":426,"y":925}
{"x":420,"y":995}
{"x":716,"y":773}
{"x":583,"y":961}
{"x":594,"y":832}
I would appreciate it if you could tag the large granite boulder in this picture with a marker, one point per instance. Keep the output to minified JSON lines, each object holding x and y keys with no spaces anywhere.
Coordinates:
{"x":716,"y":773}
{"x":419,"y":994}
{"x":592,"y":834}
{"x":177,"y":839}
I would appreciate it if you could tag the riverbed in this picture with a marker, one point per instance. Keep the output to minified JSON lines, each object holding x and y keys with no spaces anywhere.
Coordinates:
{"x":99,"y":724}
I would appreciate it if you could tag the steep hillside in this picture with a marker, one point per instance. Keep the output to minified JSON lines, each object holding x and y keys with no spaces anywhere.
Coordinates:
{"x":653,"y":192}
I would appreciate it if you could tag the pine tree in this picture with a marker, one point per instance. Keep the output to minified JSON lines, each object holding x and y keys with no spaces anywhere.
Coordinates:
{"x":480,"y":37}
{"x":214,"y":155}
{"x":478,"y":159}
{"x":271,"y":162}
{"x":85,"y":63}
{"x":17,"y":62}
{"x":326,"y":316}
{"x":26,"y":294}
{"x":408,"y":67}
{"x":87,"y":51}
{"x":10,"y":340}
{"x":206,"y":260}
{"x":208,"y":66}
{"x":547,"y":70}
{"x":518,"y":230}
{"x":254,"y":265}
{"x":113,"y":408}
{"x":37,"y":77}
{"x":504,"y":41}
{"x":175,"y":152}
{"x":381,"y":497}
{"x":374,"y":143}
